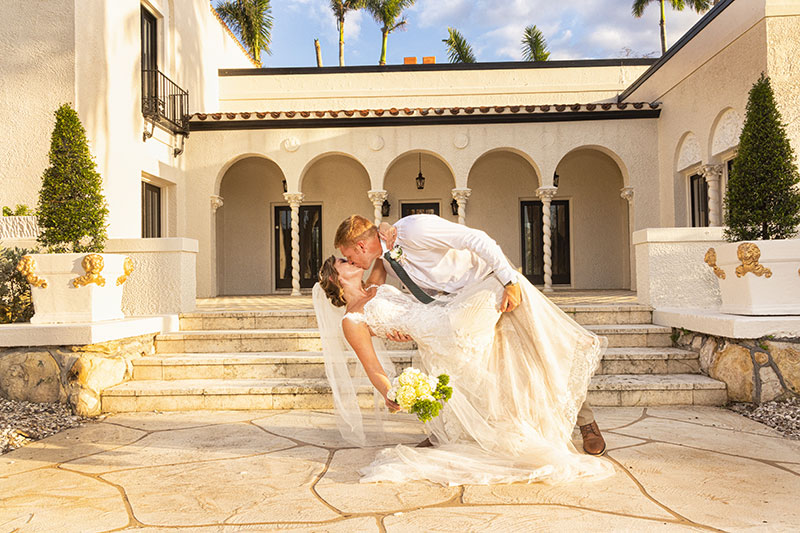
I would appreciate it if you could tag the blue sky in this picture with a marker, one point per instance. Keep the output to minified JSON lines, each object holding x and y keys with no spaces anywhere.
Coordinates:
{"x":574,"y":29}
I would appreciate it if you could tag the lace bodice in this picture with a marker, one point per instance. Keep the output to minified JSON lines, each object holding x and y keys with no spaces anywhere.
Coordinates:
{"x":445,"y":327}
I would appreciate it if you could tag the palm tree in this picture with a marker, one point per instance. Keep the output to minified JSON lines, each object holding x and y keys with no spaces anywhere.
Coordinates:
{"x":386,"y":12}
{"x":340,"y":9}
{"x":458,"y":49}
{"x":252,"y":21}
{"x":679,"y":5}
{"x":534,"y":46}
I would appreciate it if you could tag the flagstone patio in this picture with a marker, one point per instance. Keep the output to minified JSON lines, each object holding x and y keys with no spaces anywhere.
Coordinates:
{"x":678,"y":469}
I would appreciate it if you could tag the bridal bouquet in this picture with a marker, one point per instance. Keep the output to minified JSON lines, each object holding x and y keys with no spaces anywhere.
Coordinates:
{"x":419,"y":393}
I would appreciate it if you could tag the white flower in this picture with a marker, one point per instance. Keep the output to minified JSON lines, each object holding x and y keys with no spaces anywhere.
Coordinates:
{"x":392,"y":394}
{"x":396,"y":253}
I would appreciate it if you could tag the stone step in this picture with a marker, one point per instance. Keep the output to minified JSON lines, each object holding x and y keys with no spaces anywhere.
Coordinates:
{"x":307,"y":339}
{"x":265,"y":365}
{"x":181,"y":395}
{"x":646,"y":360}
{"x":587,"y":314}
{"x":634,"y":335}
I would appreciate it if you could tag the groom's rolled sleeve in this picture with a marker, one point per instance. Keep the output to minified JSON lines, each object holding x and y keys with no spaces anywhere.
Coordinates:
{"x":487,"y":249}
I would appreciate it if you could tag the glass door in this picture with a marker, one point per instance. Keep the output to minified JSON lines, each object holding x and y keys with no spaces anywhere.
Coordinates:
{"x":310,"y":245}
{"x":533,"y":243}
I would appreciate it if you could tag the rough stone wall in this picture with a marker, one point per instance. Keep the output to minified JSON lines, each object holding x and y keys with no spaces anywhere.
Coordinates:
{"x":755,"y":371}
{"x":75,"y":375}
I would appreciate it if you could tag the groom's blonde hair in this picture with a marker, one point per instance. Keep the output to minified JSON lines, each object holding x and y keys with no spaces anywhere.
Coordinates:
{"x":353,"y":229}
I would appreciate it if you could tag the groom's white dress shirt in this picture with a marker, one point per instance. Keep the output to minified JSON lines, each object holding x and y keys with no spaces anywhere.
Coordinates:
{"x":444,"y":256}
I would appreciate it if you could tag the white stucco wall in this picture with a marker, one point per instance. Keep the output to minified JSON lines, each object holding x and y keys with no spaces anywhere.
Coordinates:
{"x":670,"y":271}
{"x":424,"y":88}
{"x":88,"y":54}
{"x":37,"y":75}
{"x":164,"y":280}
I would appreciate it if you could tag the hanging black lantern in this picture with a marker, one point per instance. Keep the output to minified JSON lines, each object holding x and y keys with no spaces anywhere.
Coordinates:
{"x":555,"y":180}
{"x":285,"y":189}
{"x":420,"y":177}
{"x":385,"y":208}
{"x":454,"y":207}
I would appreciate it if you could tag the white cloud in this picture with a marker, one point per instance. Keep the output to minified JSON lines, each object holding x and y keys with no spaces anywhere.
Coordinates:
{"x":441,"y":13}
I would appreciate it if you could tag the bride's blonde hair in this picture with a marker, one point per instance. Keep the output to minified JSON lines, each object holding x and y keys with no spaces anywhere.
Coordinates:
{"x":329,"y":281}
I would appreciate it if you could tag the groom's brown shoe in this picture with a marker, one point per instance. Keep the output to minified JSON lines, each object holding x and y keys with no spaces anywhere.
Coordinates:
{"x":425,"y":444}
{"x":593,"y":442}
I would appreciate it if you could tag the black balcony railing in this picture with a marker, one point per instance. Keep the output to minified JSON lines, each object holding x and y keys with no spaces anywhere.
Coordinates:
{"x":164,"y":103}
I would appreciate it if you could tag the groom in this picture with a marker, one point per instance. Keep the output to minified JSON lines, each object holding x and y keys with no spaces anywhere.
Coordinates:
{"x":444,"y":257}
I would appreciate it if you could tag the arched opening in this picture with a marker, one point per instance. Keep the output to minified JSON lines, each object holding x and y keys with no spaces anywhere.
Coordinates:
{"x":690,"y":188}
{"x":595,"y":219}
{"x":404,"y":196}
{"x":504,"y":187}
{"x":335,"y":186}
{"x":249,"y":188}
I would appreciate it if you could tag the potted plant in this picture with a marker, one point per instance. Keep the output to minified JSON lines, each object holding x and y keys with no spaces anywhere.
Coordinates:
{"x":758,"y":267}
{"x":74,"y":282}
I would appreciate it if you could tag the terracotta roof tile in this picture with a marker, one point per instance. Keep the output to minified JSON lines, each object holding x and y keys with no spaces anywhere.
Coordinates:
{"x":425,"y":111}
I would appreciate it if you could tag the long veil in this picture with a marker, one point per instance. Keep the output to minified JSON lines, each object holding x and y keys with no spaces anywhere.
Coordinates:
{"x":349,"y":384}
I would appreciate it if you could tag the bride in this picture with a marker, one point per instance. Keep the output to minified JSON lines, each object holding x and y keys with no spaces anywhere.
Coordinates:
{"x":517,"y":388}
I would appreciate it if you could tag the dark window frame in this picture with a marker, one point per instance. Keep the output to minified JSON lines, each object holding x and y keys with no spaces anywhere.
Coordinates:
{"x":151,"y":211}
{"x":406,"y":208}
{"x":698,"y":201}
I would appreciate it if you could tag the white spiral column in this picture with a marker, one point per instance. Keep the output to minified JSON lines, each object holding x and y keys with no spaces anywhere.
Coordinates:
{"x":713,"y":176}
{"x":546,"y":195}
{"x":461,"y":196}
{"x":377,"y":197}
{"x":295,"y":199}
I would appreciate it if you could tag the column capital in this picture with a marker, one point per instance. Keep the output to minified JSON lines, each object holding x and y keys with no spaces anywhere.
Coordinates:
{"x":216,"y":203}
{"x":546,"y":192}
{"x":377,"y":196}
{"x":461,"y":194}
{"x":294,"y":198}
{"x":626,"y":193}
{"x":712,"y":172}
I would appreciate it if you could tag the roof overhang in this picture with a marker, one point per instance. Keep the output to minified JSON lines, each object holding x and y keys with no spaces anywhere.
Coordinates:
{"x":355,"y":118}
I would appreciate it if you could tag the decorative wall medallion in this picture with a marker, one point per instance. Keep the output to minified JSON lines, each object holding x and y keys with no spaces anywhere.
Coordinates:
{"x":291,"y":144}
{"x":128,"y":268}
{"x":27,"y":267}
{"x":376,"y":143}
{"x":92,"y":264}
{"x":548,"y":139}
{"x":711,"y":260}
{"x":460,"y":141}
{"x":749,"y":254}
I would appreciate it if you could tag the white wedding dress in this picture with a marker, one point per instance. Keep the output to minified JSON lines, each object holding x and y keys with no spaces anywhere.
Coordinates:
{"x":518,"y":383}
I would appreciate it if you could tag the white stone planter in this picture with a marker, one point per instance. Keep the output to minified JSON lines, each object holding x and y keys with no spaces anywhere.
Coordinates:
{"x":758,"y":277}
{"x":18,"y":228}
{"x":68,"y":288}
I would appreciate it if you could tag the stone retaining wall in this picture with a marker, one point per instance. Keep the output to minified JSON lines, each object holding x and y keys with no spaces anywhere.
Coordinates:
{"x":755,"y":371}
{"x":75,"y":375}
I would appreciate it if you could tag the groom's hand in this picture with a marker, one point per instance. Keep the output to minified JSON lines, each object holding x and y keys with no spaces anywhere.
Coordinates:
{"x":388,"y":234}
{"x":512,"y":296}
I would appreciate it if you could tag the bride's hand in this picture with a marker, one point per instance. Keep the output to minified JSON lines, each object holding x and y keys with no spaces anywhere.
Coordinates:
{"x":392,"y":406}
{"x":388,"y":233}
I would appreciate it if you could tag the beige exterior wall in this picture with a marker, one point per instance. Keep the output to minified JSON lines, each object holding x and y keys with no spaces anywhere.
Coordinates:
{"x":704,"y":89}
{"x":432,"y":88}
{"x":388,"y":157}
{"x":88,"y":54}
{"x":37,"y":69}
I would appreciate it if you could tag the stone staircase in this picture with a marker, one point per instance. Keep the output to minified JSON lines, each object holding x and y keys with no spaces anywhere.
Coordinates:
{"x":272,"y":360}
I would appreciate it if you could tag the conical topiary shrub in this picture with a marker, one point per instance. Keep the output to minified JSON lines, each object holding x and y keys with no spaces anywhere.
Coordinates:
{"x":72,"y":209}
{"x":762,"y":201}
